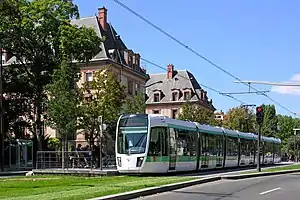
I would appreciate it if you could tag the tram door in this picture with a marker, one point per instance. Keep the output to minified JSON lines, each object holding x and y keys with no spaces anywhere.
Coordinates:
{"x":172,"y":149}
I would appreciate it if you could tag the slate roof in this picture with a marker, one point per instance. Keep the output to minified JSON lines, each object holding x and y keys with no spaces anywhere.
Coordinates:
{"x":182,"y":79}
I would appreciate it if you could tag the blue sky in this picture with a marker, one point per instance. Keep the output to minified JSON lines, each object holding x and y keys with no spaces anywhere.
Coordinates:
{"x":254,"y":40}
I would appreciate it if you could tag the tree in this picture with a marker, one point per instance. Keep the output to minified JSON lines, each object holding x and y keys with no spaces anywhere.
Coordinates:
{"x":194,"y":113}
{"x":16,"y":103}
{"x":63,"y":102}
{"x":269,"y":126}
{"x":287,"y":124}
{"x":235,"y":120}
{"x":104,"y":96}
{"x":136,"y":105}
{"x":289,"y":147}
{"x":39,"y":35}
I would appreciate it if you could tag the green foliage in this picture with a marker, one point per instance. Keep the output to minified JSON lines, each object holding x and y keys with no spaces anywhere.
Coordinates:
{"x":39,"y":35}
{"x":136,"y":105}
{"x":269,"y":126}
{"x":287,"y":124}
{"x":104,"y":97}
{"x":194,"y":113}
{"x":235,"y":120}
{"x":53,"y":144}
{"x":64,"y":99}
{"x":17,"y":102}
{"x":290,"y":142}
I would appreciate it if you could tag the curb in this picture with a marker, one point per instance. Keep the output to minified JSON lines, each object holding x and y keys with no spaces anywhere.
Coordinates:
{"x":76,"y":172}
{"x":158,"y":189}
{"x":244,"y":176}
{"x":13,"y":173}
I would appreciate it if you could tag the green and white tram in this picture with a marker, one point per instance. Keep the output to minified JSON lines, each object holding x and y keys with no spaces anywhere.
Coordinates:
{"x":151,"y":143}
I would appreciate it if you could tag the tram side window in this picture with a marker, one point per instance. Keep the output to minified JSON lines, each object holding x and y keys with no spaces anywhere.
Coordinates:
{"x":158,"y":145}
{"x":232,"y":146}
{"x":245,"y":147}
{"x":251,"y":147}
{"x":219,"y":141}
{"x":212,"y":145}
{"x":204,"y":144}
{"x":242,"y":147}
{"x":181,"y":142}
{"x":192,"y":143}
{"x":186,"y":142}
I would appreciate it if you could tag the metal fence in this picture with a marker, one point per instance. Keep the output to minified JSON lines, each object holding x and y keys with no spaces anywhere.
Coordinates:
{"x":73,"y":160}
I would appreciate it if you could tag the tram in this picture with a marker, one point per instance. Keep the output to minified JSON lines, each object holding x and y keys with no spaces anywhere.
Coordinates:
{"x":153,"y":143}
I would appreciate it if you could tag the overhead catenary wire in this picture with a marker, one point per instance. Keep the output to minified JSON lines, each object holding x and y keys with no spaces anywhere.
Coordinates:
{"x":196,"y":53}
{"x":205,"y":86}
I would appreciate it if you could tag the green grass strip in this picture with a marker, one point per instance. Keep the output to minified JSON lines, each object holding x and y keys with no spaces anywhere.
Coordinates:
{"x":70,"y":187}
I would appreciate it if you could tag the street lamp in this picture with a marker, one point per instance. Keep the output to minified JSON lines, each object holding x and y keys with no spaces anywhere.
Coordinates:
{"x":295,"y":133}
{"x":1,"y":114}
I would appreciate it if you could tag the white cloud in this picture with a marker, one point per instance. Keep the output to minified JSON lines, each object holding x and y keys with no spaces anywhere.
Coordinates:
{"x":294,"y":90}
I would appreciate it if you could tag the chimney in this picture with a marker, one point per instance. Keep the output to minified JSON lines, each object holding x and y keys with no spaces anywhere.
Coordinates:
{"x":137,"y":60}
{"x":133,"y":60}
{"x":126,"y":56}
{"x":170,"y":71}
{"x":102,"y":16}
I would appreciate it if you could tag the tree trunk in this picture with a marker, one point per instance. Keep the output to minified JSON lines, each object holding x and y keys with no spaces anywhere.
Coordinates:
{"x":64,"y":150}
{"x":38,"y":110}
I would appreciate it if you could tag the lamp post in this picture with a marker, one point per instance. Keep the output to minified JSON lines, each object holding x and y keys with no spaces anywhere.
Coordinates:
{"x":295,"y":133}
{"x":100,"y":120}
{"x":1,"y":114}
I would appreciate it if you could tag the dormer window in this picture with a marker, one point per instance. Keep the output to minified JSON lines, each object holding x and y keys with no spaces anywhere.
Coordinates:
{"x":175,"y":96}
{"x":187,"y":95}
{"x":156,"y":97}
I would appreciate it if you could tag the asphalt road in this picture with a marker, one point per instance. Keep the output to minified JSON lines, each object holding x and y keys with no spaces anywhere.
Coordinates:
{"x":280,"y":187}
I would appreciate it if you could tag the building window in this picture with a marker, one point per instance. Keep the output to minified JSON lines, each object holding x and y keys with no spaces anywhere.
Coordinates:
{"x":187,"y":95}
{"x":155,"y":111}
{"x":175,"y":96}
{"x":137,"y":88}
{"x":156,"y":97}
{"x":88,"y":76}
{"x":174,"y":113}
{"x":130,"y":87}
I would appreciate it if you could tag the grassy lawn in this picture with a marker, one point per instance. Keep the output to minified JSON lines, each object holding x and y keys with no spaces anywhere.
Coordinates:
{"x":276,"y":169}
{"x":71,"y":187}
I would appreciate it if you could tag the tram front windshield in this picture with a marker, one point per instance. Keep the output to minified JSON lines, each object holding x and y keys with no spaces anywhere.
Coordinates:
{"x":132,"y":134}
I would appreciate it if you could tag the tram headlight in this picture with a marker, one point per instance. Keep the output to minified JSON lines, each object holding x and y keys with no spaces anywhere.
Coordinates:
{"x":119,"y":161}
{"x":139,"y":161}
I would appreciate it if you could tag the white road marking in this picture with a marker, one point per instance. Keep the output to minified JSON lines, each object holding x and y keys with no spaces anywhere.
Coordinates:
{"x":268,"y":191}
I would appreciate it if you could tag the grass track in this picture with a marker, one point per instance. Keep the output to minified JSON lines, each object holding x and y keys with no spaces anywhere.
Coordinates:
{"x":70,"y":187}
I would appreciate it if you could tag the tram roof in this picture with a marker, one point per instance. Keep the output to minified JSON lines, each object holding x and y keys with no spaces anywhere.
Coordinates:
{"x":175,"y":123}
{"x":209,"y":129}
{"x":232,"y":133}
{"x":267,"y":139}
{"x":246,"y":135}
{"x":277,"y":140}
